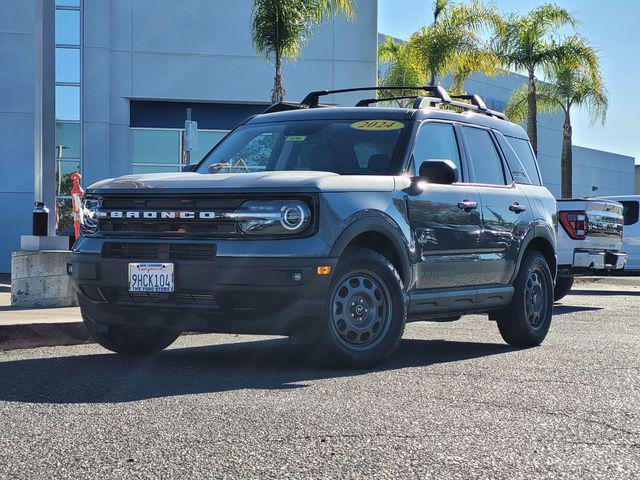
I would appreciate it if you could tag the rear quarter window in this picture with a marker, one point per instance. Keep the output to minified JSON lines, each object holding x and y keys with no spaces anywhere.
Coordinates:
{"x":630,"y":212}
{"x":523,"y":151}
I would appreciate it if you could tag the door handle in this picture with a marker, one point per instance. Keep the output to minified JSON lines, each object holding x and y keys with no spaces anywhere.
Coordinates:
{"x":467,"y":205}
{"x":517,"y":208}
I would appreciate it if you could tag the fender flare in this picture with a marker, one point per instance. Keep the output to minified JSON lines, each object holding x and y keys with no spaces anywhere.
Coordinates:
{"x":535,"y":232}
{"x":384,"y":226}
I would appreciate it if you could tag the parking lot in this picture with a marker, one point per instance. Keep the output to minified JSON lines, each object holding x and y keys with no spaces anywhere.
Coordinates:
{"x":455,"y":402}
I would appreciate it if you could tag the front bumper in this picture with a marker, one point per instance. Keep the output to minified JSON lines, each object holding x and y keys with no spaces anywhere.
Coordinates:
{"x":259,"y":295}
{"x":594,"y":261}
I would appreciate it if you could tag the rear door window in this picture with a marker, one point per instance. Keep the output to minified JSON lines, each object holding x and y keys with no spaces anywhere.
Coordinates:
{"x":486,"y":161}
{"x":630,"y":212}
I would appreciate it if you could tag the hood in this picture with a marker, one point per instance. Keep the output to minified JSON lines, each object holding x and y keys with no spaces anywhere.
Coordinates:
{"x":290,"y":181}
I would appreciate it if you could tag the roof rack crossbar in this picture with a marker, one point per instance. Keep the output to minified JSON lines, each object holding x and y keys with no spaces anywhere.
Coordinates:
{"x":439,"y":96}
{"x":474,"y":99}
{"x":284,"y":106}
{"x":311,"y":100}
{"x":368,"y":101}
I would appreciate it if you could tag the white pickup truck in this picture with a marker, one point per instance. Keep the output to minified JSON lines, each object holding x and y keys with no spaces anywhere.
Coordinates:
{"x":589,"y":240}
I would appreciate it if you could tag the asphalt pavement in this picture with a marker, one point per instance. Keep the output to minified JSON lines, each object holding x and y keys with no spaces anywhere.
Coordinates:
{"x":454,"y":402}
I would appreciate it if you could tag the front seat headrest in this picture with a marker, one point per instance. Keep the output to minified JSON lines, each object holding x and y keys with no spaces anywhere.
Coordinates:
{"x":378,"y":163}
{"x":323,"y":158}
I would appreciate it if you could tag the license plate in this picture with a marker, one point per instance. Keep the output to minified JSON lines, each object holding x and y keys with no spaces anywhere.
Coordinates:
{"x":151,"y":277}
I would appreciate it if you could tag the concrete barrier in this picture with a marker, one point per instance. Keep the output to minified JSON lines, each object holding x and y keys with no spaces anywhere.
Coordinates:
{"x":39,"y":279}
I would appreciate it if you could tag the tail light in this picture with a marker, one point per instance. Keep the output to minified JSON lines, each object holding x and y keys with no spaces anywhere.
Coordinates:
{"x":575,"y":224}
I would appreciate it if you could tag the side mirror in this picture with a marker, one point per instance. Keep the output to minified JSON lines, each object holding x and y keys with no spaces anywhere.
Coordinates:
{"x":443,"y":172}
{"x":189,"y":168}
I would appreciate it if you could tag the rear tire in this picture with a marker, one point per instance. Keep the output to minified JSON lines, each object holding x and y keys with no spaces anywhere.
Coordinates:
{"x":526,"y":321}
{"x":562,"y":288}
{"x":365,"y":312}
{"x":134,"y":340}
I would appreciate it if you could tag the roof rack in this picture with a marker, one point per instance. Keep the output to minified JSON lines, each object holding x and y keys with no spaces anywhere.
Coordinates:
{"x":439,"y":96}
{"x":312,"y":98}
{"x":368,"y":101}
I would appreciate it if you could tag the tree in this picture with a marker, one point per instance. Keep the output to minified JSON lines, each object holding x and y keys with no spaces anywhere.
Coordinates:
{"x":526,"y":44}
{"x":282,"y":27}
{"x":402,"y":69}
{"x":573,"y":80}
{"x":452,"y":45}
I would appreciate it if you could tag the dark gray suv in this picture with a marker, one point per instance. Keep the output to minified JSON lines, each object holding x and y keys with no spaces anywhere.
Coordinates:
{"x":332,"y":225}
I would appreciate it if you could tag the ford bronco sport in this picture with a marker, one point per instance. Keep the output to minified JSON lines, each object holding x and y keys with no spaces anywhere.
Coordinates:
{"x":334,"y":225}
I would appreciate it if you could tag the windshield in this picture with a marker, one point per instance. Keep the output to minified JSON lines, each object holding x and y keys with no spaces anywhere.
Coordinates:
{"x":348,"y":147}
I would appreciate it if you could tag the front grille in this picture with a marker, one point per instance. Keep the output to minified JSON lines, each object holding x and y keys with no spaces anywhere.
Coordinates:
{"x":171,"y":217}
{"x":220,"y":228}
{"x":159,"y":251}
{"x":122,"y":296}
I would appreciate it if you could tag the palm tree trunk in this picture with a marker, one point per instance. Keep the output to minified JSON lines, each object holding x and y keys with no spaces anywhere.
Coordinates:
{"x":277,"y":94}
{"x":432,"y":79}
{"x":532,"y":120}
{"x":566,"y":162}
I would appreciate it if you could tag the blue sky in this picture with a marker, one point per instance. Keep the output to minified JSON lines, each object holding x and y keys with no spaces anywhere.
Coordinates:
{"x":612,"y":26}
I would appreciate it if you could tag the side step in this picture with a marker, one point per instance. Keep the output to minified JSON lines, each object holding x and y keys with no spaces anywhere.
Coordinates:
{"x":454,"y":301}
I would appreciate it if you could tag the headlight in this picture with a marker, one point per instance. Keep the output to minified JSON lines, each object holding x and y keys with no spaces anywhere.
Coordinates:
{"x":88,"y":218}
{"x":273,"y":217}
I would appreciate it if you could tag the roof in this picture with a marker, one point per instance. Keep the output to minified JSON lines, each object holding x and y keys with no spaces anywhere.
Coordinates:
{"x":339,"y":113}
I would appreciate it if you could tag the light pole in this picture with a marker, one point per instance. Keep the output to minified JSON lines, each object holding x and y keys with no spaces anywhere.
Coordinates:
{"x":45,"y":103}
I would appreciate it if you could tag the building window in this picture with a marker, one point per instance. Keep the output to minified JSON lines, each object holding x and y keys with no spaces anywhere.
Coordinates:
{"x":161,"y":150}
{"x":207,"y":139}
{"x":67,"y":65}
{"x":68,"y":144}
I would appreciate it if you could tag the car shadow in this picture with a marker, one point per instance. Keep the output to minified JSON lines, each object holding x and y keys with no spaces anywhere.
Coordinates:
{"x":562,"y":309}
{"x":267,"y":365}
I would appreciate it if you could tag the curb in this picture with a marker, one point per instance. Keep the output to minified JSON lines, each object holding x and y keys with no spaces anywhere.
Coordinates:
{"x":33,"y":335}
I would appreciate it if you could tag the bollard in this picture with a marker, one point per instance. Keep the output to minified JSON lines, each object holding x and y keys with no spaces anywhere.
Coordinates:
{"x":40,"y":220}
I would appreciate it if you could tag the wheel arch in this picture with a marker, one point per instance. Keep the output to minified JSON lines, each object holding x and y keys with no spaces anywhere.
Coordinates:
{"x":542,"y":240}
{"x":380,"y":236}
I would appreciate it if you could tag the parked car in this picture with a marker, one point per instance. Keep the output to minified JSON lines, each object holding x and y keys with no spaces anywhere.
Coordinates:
{"x":331,"y":225}
{"x":631,"y":239}
{"x":589,"y":240}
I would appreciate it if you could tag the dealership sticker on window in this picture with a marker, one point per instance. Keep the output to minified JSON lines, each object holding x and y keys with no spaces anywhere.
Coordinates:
{"x":377,"y":125}
{"x":296,"y":138}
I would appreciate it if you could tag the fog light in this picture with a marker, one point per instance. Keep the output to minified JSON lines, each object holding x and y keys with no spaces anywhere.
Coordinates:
{"x":323,"y":269}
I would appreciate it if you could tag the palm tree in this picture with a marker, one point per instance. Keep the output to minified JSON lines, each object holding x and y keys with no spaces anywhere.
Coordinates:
{"x":573,"y":80}
{"x":451,"y":44}
{"x":525,"y":43}
{"x":281,"y":28}
{"x":402,"y":69}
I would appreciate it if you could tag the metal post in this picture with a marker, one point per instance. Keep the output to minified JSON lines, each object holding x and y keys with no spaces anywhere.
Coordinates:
{"x":188,"y":151}
{"x":44,"y":119}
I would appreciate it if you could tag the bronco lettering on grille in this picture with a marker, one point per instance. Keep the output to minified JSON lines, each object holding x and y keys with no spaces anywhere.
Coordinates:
{"x":156,"y":214}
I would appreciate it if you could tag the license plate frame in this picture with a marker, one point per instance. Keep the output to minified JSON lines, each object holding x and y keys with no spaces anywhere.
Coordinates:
{"x":161,"y":279}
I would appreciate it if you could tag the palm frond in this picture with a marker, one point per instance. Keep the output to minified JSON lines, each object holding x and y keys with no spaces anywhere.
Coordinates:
{"x":526,"y":42}
{"x":447,"y":45}
{"x":547,"y":101}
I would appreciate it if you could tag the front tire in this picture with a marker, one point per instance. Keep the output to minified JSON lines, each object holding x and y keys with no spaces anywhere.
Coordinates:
{"x":133,"y":340}
{"x":562,"y":288}
{"x":526,"y":321}
{"x":365,"y":312}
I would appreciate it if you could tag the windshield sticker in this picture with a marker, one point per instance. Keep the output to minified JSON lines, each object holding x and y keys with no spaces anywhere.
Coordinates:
{"x":377,"y":125}
{"x":296,"y":138}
